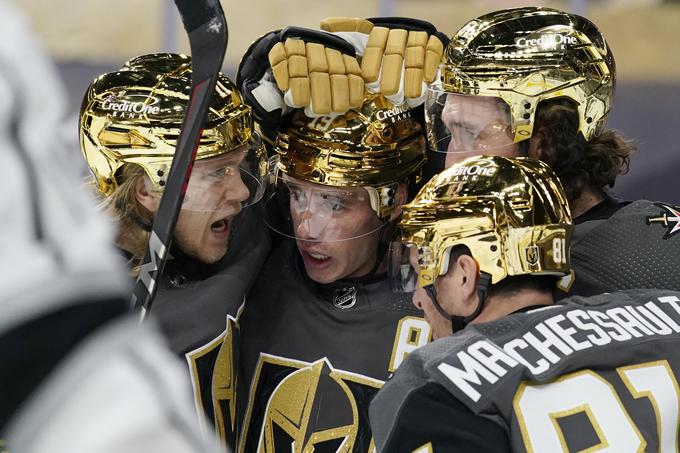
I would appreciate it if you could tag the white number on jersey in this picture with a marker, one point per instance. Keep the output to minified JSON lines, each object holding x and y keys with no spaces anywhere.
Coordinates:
{"x":412,"y":333}
{"x":538,"y":407}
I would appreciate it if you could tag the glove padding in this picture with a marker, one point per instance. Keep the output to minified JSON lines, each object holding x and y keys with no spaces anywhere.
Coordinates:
{"x":300,"y":68}
{"x":401,"y":56}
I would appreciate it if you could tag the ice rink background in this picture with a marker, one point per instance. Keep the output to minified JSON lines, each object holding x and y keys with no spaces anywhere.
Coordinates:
{"x":88,"y":37}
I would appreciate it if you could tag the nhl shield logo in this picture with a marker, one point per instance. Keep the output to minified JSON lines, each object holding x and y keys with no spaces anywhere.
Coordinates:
{"x":532,"y":254}
{"x":669,"y":218}
{"x":345,"y":297}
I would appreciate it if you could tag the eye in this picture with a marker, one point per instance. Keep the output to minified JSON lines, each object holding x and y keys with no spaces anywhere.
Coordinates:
{"x":296,"y":194}
{"x":217,"y":173}
{"x":470,"y":132}
{"x":333,"y":201}
{"x":221,"y":172}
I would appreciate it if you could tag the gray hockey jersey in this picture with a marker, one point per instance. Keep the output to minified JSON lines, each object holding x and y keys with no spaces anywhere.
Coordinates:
{"x":637,"y":247}
{"x":599,"y":372}
{"x":303,"y":361}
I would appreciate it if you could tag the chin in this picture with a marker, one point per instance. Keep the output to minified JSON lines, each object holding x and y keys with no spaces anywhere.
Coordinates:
{"x":321,"y":277}
{"x":212,"y":256}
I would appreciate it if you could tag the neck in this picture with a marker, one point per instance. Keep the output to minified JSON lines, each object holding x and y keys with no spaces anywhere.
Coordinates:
{"x":497,"y":307}
{"x":587,"y":200}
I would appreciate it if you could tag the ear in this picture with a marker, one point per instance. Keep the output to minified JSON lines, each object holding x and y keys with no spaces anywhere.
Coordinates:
{"x":144,"y":197}
{"x":459,"y":286}
{"x":399,"y":200}
{"x":468,"y":271}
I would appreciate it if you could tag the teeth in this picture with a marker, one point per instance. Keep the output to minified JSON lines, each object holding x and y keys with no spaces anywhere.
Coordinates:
{"x":317,"y":256}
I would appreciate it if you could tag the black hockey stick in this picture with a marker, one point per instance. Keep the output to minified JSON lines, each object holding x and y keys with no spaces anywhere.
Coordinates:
{"x":207,"y":28}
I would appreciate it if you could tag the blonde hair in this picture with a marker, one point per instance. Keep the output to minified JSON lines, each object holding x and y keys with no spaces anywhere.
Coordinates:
{"x":130,"y":215}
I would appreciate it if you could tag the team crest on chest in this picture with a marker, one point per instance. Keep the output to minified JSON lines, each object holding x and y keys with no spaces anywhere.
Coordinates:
{"x":311,"y":406}
{"x":345,"y":297}
{"x":669,"y":218}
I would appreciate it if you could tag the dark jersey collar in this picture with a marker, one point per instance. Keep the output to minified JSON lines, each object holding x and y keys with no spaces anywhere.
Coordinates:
{"x":601,"y":211}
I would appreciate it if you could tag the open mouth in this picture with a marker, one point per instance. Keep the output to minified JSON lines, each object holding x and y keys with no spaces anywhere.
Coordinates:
{"x":316,"y":260}
{"x":220,"y":226}
{"x":318,"y":256}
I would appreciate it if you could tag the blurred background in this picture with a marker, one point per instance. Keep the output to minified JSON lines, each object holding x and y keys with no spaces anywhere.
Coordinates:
{"x":89,"y":37}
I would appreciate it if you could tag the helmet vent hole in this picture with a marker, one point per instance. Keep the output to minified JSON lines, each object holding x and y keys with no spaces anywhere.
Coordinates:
{"x":494,"y":247}
{"x":520,"y":205}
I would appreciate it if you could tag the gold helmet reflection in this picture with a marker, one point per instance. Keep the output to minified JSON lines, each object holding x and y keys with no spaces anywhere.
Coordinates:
{"x":511,"y":213}
{"x":376,"y":147}
{"x":134,"y":115}
{"x":312,"y":409}
{"x":528,"y":55}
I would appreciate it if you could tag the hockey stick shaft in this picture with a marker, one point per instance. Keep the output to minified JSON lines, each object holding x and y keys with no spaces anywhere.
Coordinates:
{"x":206,"y":26}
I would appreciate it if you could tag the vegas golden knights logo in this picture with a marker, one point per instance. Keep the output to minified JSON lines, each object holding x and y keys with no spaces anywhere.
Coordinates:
{"x":532,"y":253}
{"x":214,"y":380}
{"x":293,"y":406}
{"x":301,"y":407}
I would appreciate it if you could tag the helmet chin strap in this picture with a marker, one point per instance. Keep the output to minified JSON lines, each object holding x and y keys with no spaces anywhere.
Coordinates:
{"x":459,"y":322}
{"x":143,"y":224}
{"x":524,"y":148}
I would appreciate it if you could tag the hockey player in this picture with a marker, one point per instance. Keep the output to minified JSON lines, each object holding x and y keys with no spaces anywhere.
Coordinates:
{"x":129,"y":125}
{"x":78,"y":374}
{"x":321,"y":329}
{"x":487,"y":238}
{"x":540,"y":82}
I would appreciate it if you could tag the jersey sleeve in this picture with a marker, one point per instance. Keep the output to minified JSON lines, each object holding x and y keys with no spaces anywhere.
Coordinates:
{"x":430,"y":419}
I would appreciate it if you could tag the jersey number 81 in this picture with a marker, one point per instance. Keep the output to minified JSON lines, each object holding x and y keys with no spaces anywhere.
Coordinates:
{"x":539,"y":407}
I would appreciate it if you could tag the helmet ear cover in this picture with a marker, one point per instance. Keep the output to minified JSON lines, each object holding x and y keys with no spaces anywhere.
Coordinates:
{"x":445,"y":260}
{"x":528,"y":55}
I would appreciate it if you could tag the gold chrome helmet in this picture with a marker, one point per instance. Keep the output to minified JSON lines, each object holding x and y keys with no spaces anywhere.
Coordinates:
{"x":512,"y":214}
{"x":133,"y":116}
{"x":337,"y":162}
{"x":515,"y":59}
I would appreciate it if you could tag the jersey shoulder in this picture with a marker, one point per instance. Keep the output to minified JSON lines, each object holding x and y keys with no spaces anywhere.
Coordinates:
{"x":604,"y":331}
{"x":413,"y":412}
{"x":649,"y":257}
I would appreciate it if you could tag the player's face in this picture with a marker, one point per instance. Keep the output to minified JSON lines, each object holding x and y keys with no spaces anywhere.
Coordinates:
{"x":204,"y":223}
{"x":336,"y":230}
{"x":478,"y":125}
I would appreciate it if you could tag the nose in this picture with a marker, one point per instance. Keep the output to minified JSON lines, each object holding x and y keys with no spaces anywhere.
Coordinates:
{"x":235,"y":190}
{"x":305,"y":228}
{"x":416,"y":299}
